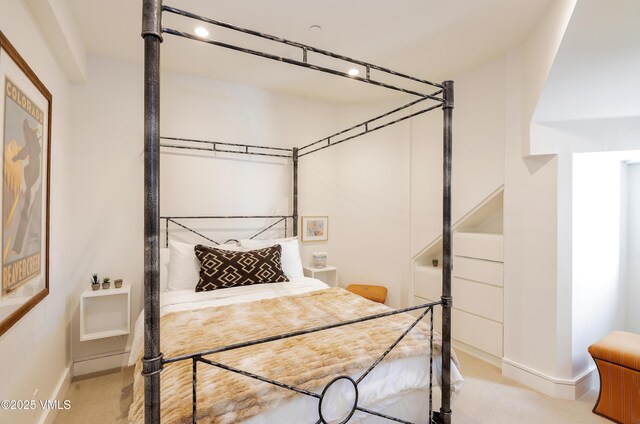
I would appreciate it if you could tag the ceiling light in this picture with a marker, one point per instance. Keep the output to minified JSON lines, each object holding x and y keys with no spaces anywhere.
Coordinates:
{"x":315,"y":28}
{"x":353,"y":72}
{"x":201,"y":32}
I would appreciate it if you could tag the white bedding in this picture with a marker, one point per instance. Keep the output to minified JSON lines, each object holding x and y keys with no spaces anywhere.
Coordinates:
{"x":392,"y":387}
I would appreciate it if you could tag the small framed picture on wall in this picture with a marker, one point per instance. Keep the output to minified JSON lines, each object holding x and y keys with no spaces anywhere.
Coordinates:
{"x":315,"y":228}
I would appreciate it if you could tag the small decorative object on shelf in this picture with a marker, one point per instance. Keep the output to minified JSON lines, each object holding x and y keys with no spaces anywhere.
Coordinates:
{"x":434,"y":262}
{"x":319,"y":259}
{"x":118,"y":283}
{"x":106,"y":282}
{"x":95,"y":282}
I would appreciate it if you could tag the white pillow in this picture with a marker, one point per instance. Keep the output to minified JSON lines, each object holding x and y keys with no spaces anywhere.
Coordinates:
{"x":184,"y":267}
{"x":164,"y":269}
{"x":291,"y":262}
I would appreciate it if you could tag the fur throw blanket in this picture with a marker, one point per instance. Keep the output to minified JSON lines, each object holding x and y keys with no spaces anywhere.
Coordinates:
{"x":309,"y":361}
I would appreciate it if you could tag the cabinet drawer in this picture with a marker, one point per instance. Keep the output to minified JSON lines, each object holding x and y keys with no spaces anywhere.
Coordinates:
{"x":477,"y":245}
{"x":478,"y":270}
{"x":478,"y":332}
{"x":428,"y":282}
{"x":478,"y":298}
{"x":472,"y":330}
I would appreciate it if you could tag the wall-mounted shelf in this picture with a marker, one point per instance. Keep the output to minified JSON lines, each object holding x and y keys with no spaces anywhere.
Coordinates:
{"x":105,"y":313}
{"x":328,"y":274}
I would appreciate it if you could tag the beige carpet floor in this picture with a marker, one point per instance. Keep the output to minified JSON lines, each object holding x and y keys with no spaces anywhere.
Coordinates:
{"x":486,"y":397}
{"x":99,"y":399}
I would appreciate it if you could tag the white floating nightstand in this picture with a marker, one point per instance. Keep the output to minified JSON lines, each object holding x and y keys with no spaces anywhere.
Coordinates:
{"x":105,"y":313}
{"x":328,"y":274}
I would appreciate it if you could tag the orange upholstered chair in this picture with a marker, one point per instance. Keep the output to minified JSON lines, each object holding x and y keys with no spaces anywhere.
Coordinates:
{"x":617,"y":357}
{"x":375,"y":293}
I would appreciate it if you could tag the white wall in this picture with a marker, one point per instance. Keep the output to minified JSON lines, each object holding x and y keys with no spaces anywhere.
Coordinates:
{"x":599,"y":289}
{"x":537,"y":320}
{"x":34,"y":353}
{"x":537,"y":275}
{"x":368,"y":193}
{"x":530,"y":203}
{"x":478,"y":151}
{"x":632,"y":322}
{"x":57,"y":24}
{"x":538,"y":53}
{"x":317,"y":180}
{"x":106,"y":201}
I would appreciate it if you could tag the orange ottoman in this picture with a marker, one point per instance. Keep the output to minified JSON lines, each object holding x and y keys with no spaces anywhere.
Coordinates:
{"x":617,"y":357}
{"x":375,"y":293}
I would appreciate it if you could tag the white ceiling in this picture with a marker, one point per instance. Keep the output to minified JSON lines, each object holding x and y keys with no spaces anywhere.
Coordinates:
{"x":596,"y":72}
{"x":431,"y":39}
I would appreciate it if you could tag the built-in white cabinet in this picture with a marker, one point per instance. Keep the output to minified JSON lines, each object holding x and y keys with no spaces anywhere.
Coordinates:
{"x":477,"y":282}
{"x":477,"y":289}
{"x":105,"y":313}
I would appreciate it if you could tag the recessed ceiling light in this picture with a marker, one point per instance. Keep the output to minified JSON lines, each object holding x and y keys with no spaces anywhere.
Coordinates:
{"x":353,"y":72}
{"x":201,"y":32}
{"x":315,"y":28}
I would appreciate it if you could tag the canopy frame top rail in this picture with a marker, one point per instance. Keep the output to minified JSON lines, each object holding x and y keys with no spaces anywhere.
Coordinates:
{"x":305,"y":49}
{"x":227,"y":147}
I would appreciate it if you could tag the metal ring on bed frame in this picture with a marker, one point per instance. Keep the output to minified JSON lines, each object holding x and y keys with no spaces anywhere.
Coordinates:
{"x":326,"y":388}
{"x":153,"y":363}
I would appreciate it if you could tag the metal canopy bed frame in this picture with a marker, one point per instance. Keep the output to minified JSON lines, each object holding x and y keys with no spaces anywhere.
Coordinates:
{"x":153,"y":360}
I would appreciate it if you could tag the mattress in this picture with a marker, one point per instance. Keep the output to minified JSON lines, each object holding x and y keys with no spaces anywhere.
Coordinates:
{"x":395,"y":387}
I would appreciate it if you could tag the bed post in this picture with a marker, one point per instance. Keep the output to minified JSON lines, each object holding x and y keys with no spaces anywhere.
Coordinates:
{"x":152,"y":360}
{"x":447,"y":300}
{"x":295,"y":191}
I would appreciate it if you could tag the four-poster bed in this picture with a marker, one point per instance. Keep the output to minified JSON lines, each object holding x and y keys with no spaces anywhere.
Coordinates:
{"x":434,"y":96}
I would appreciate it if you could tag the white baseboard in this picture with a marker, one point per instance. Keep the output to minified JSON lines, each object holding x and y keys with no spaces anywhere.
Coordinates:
{"x":102,"y":363}
{"x":568,"y":389}
{"x":60,"y":392}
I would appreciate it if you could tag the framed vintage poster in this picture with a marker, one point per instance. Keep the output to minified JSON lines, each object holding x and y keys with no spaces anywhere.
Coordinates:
{"x":25,"y":134}
{"x":315,"y":228}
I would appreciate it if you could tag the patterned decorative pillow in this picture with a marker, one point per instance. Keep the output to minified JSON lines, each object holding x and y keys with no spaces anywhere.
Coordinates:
{"x":221,"y":269}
